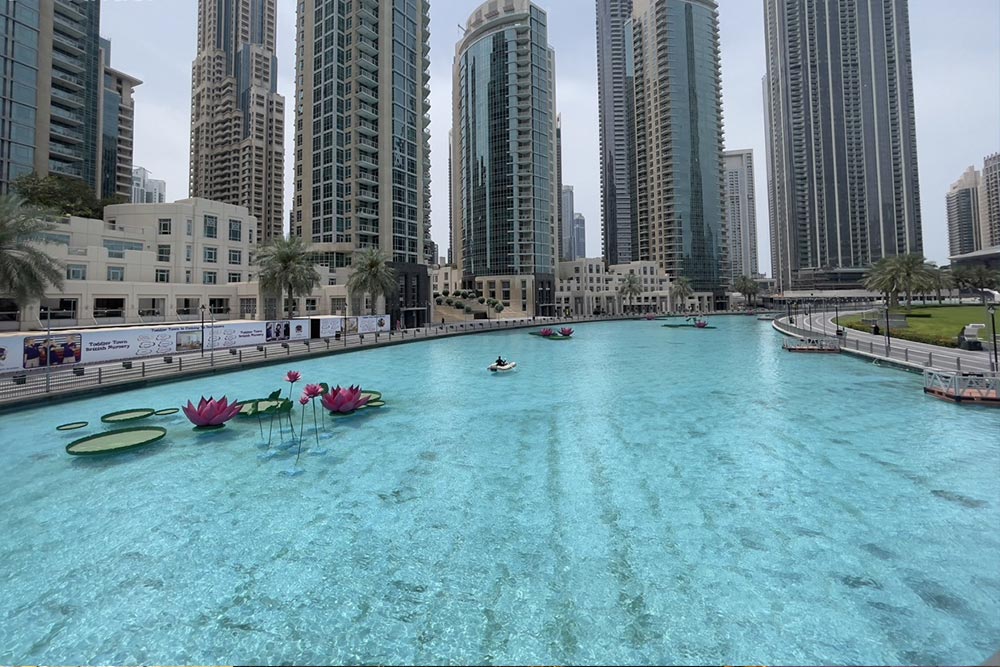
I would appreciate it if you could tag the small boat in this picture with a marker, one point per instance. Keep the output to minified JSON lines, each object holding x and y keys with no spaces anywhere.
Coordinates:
{"x":509,"y":366}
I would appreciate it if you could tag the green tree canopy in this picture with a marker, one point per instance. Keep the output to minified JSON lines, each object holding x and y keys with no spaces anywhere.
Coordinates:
{"x":681,"y":290}
{"x":286,"y":267}
{"x":63,"y":195}
{"x":372,"y":276}
{"x":25,"y":270}
{"x":630,"y":288}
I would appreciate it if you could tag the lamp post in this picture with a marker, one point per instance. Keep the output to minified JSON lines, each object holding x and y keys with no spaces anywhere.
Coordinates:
{"x":48,"y":348}
{"x":203,"y":330}
{"x":992,"y":310}
{"x":211,"y":336}
{"x":887,"y":336}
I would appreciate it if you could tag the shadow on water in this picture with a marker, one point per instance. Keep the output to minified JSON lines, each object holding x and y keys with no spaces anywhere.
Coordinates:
{"x":114,"y":459}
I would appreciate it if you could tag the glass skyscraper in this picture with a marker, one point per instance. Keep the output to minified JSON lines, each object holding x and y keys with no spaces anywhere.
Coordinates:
{"x":842,"y":147}
{"x":678,"y":121}
{"x":504,"y":148}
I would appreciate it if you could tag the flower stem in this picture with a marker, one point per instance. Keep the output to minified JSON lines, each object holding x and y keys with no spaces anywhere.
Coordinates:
{"x":315,"y":426}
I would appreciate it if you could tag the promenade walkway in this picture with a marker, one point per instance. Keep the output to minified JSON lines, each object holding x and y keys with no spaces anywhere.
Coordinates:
{"x":905,"y":353}
{"x":58,"y":383}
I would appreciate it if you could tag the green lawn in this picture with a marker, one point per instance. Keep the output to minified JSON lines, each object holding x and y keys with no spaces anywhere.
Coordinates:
{"x":936,"y":324}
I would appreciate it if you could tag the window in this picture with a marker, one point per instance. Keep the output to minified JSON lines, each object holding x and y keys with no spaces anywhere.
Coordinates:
{"x":190,"y":227}
{"x":310,"y":305}
{"x":163,"y":275}
{"x":116,"y":274}
{"x":235,"y":277}
{"x":209,"y":278}
{"x":235,"y":230}
{"x":211,"y":227}
{"x":116,"y":249}
{"x":236,"y":257}
{"x":163,"y":253}
{"x":76,"y":271}
{"x":210,"y":254}
{"x":187,"y":253}
{"x":187,"y":276}
{"x":164,"y":225}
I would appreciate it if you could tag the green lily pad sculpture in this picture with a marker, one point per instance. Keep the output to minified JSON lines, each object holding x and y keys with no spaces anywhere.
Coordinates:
{"x":345,"y":401}
{"x":116,"y":441}
{"x":72,"y":426}
{"x":127,"y":415}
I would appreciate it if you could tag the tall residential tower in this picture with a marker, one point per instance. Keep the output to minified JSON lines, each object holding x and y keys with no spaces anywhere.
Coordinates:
{"x":617,"y":132}
{"x":678,"y":121}
{"x":741,"y":214}
{"x":962,"y":208}
{"x":361,"y":141}
{"x":841,"y":139}
{"x":237,"y":116}
{"x":504,"y":156}
{"x":989,"y":202}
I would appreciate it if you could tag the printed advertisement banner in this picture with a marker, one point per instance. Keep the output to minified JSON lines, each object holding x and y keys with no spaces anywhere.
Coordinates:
{"x":373,"y":323}
{"x":329,"y":327}
{"x":65,"y":349}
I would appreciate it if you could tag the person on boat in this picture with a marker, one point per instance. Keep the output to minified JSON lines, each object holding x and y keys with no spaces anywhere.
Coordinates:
{"x":501,"y":361}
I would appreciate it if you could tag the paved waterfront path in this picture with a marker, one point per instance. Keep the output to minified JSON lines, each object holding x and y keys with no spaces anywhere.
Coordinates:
{"x":63,"y":383}
{"x":917,"y":356}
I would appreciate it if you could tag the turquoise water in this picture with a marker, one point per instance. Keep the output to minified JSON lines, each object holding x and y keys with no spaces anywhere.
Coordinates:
{"x":635,"y":495}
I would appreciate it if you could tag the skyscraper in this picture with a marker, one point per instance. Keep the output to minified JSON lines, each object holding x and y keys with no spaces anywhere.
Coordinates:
{"x":146,"y":190}
{"x":989,"y":202}
{"x":237,"y":116}
{"x":52,"y":77}
{"x":566,"y":223}
{"x":504,"y":154}
{"x":116,"y":115}
{"x":962,"y":208}
{"x":362,"y":145}
{"x":678,"y":121}
{"x":841,"y":139}
{"x":561,"y":215}
{"x":741,"y":214}
{"x":579,"y":236}
{"x":615,"y":98}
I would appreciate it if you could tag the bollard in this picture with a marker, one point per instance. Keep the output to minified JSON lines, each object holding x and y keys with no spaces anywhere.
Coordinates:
{"x":99,"y":374}
{"x":241,"y":356}
{"x":871,"y":347}
{"x":906,"y":354}
{"x":144,"y":369}
{"x":180,"y":364}
{"x":930,"y":358}
{"x":958,"y":364}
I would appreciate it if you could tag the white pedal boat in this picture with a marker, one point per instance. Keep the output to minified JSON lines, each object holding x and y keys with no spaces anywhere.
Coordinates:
{"x":509,"y":366}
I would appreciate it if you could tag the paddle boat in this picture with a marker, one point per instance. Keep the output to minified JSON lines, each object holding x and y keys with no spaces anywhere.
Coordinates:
{"x":502,"y":368}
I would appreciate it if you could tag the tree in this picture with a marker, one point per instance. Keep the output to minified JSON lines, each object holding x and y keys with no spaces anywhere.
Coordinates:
{"x":63,"y":195}
{"x":977,"y":277}
{"x":630,"y":288}
{"x":680,"y":290}
{"x":372,"y":276}
{"x":746,"y":286}
{"x":882,"y":279}
{"x":286,"y":267}
{"x":940,"y":280}
{"x":902,"y":273}
{"x":25,"y":271}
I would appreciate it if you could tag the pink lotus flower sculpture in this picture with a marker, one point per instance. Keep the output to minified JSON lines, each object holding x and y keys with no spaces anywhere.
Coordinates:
{"x":701,"y":324}
{"x":344,"y":400}
{"x":293,"y":377}
{"x":566,"y":332}
{"x":650,"y":316}
{"x":313,"y":390}
{"x":211,"y":413}
{"x":546,"y":332}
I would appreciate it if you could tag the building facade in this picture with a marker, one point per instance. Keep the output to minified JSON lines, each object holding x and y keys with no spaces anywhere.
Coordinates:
{"x":237,"y":116}
{"x":962,"y":208}
{"x":588,"y":286}
{"x":61,"y":115}
{"x":841,"y":139}
{"x":566,"y":211}
{"x":989,"y":202}
{"x":146,"y":190}
{"x":116,"y":118}
{"x":579,"y":236}
{"x":741,"y":214}
{"x":615,"y":81}
{"x":678,"y":120}
{"x":362,"y":145}
{"x":504,"y":152}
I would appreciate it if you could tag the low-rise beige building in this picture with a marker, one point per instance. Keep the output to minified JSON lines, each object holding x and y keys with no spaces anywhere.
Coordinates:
{"x":587,"y":286}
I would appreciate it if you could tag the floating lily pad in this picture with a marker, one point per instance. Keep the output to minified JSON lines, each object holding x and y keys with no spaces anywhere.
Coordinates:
{"x":116,"y":441}
{"x":374,"y":404}
{"x":167,"y":411}
{"x":371,"y":394}
{"x":263,"y":406}
{"x":127,"y":415}
{"x":72,"y":426}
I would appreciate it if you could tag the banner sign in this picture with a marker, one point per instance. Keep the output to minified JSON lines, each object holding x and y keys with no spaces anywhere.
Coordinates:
{"x":65,"y":349}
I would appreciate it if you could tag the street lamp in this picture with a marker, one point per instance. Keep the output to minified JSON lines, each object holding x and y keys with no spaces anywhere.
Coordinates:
{"x":992,"y":310}
{"x":203,"y":330}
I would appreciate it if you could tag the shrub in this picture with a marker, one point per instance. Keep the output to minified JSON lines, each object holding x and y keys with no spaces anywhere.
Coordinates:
{"x":437,"y":294}
{"x":439,"y":301}
{"x":482,"y":300}
{"x":459,"y":305}
{"x":449,"y":301}
{"x":445,"y":292}
{"x":498,"y":308}
{"x":468,"y":310}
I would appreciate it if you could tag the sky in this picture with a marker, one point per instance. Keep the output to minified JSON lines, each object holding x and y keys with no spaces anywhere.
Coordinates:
{"x":955,"y":50}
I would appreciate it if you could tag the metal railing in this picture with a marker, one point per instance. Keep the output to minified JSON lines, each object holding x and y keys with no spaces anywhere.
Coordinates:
{"x":19,"y":386}
{"x":963,"y":386}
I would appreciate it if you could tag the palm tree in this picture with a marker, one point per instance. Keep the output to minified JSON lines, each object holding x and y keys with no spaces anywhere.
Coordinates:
{"x":25,"y":271}
{"x":882,"y":278}
{"x":902,"y":273}
{"x":940,"y":280}
{"x":286,"y":267}
{"x":681,"y":291}
{"x":372,"y":276}
{"x":747,"y":287}
{"x":630,"y":288}
{"x":980,"y":278}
